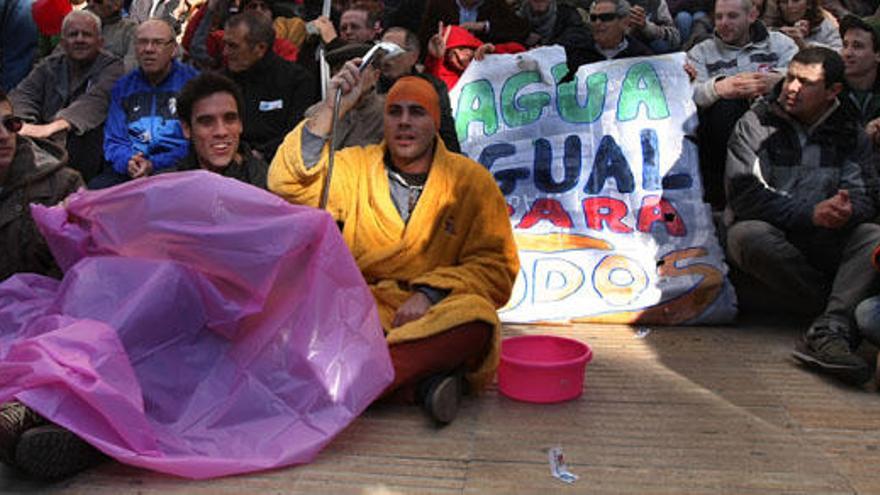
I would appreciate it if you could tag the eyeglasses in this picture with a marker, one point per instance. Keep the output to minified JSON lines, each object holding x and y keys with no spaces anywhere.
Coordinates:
{"x":143,"y":43}
{"x":12,"y":123}
{"x":611,"y":16}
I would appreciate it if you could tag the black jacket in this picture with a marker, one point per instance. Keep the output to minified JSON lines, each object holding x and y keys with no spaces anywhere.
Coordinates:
{"x":250,"y":169}
{"x":276,"y":93}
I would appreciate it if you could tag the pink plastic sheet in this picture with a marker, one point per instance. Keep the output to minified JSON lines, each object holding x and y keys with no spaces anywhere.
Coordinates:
{"x":203,"y":327}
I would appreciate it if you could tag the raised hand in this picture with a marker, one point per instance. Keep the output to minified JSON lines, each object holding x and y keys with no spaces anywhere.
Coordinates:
{"x":437,"y":43}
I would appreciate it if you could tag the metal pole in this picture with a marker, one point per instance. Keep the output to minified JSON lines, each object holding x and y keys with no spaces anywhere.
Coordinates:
{"x":325,"y":191}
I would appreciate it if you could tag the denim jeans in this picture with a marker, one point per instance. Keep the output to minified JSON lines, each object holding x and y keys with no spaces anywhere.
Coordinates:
{"x":868,"y":319}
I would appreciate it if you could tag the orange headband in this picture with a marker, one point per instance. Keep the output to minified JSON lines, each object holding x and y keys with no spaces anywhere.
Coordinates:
{"x":416,"y":90}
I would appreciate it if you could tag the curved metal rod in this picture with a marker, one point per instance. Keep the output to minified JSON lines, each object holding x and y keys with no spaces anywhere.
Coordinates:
{"x":384,"y":49}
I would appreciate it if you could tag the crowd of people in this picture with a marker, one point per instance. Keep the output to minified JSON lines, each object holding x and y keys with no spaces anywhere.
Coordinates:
{"x":788,"y":101}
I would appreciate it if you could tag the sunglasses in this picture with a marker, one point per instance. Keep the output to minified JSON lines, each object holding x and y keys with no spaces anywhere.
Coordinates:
{"x":12,"y":123}
{"x":603,"y":17}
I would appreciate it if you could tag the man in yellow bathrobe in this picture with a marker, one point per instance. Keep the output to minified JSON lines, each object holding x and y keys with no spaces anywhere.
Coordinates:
{"x":428,"y":228}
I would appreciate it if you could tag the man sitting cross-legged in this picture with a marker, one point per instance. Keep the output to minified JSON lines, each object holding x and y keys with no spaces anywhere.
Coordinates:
{"x":428,"y":228}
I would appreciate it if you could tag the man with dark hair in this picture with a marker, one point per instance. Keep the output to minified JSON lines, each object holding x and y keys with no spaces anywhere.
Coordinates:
{"x":277,"y":92}
{"x":861,"y":59}
{"x":142,"y":134}
{"x":802,"y":187}
{"x":742,"y":61}
{"x":428,"y":229}
{"x":65,"y":98}
{"x":209,"y":108}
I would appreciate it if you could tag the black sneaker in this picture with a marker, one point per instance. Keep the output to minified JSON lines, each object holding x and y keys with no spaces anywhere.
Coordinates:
{"x":15,"y":419}
{"x":50,"y":452}
{"x":443,"y":397}
{"x":830,"y":352}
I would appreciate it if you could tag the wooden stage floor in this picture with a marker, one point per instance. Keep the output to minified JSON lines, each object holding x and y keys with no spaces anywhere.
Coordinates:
{"x":680,"y":411}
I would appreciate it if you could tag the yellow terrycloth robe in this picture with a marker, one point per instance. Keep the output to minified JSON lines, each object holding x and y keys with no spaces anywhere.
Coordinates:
{"x":458,"y":236}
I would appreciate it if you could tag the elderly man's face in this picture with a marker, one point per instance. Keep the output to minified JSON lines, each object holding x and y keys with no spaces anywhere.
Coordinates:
{"x":608,"y":28}
{"x":8,"y":131}
{"x":154,"y":46}
{"x":239,"y":53}
{"x":355,"y":27}
{"x":214,"y":129}
{"x":409,"y":132}
{"x":81,"y":40}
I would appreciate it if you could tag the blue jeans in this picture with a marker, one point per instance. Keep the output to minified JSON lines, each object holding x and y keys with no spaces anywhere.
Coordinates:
{"x":868,"y":319}
{"x":684,"y":21}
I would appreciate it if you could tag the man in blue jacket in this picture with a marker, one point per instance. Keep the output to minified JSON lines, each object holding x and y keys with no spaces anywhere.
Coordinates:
{"x":142,"y":134}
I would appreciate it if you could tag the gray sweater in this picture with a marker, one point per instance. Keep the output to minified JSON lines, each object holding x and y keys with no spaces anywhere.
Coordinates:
{"x":714,"y":59}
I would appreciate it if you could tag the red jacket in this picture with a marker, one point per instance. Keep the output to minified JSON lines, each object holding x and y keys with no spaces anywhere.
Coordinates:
{"x":461,"y":38}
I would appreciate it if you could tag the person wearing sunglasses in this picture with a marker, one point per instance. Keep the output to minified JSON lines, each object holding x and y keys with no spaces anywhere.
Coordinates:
{"x":31,"y":171}
{"x":608,"y":38}
{"x":65,"y":98}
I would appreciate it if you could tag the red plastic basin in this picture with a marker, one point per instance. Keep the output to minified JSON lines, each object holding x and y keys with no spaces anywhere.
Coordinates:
{"x":542,"y":368}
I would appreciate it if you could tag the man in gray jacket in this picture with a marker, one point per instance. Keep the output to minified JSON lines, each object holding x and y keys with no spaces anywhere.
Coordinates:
{"x":742,"y":61}
{"x":65,"y":98}
{"x":801,"y":181}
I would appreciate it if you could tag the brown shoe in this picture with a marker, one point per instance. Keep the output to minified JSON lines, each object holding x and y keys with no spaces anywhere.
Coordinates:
{"x":50,"y":452}
{"x":15,"y":419}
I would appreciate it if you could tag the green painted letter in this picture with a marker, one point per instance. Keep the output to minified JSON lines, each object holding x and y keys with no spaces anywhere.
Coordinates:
{"x":476,"y":103}
{"x":527,"y":108}
{"x":641,"y":85}
{"x":566,"y":97}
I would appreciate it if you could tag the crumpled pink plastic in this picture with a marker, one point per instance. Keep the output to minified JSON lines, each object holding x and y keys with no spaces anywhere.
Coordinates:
{"x":203,"y":327}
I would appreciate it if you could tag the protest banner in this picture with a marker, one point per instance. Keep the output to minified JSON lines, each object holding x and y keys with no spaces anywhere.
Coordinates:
{"x":602,"y":185}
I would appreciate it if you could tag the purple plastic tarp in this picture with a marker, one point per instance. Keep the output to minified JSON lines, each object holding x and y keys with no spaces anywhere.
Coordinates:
{"x":203,"y":327}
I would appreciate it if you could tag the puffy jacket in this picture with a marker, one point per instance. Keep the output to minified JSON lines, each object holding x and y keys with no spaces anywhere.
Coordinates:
{"x":778,"y":169}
